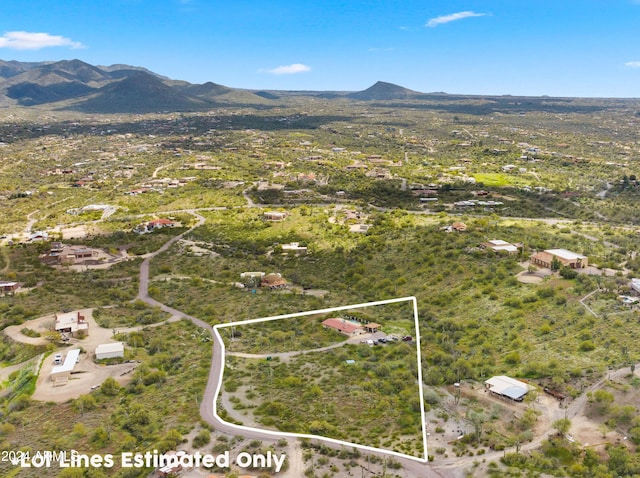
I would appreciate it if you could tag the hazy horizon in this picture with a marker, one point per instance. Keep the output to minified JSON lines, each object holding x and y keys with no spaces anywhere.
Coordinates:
{"x":542,"y":48}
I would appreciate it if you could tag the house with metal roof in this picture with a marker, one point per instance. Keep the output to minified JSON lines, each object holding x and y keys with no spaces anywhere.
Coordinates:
{"x":508,"y":387}
{"x":60,"y":373}
{"x":111,"y":350}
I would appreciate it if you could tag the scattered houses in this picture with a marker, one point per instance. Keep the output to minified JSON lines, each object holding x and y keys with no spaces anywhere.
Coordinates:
{"x":563,"y":257}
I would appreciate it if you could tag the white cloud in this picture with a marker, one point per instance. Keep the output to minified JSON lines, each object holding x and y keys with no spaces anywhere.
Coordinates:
{"x":633,"y":64}
{"x":289,"y":69}
{"x":441,"y":20}
{"x":35,"y":41}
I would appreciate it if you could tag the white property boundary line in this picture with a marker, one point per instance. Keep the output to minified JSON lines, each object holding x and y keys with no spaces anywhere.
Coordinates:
{"x":279,"y":434}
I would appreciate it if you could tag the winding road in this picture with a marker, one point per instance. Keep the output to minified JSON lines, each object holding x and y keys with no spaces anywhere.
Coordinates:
{"x":452,"y":468}
{"x":410,"y":468}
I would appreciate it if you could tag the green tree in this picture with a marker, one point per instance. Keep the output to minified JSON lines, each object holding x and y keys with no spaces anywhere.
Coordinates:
{"x":100,"y":437}
{"x":477,"y":419}
{"x":562,"y":426}
{"x":568,"y":273}
{"x":84,"y":403}
{"x":603,"y":399}
{"x":110,"y":387}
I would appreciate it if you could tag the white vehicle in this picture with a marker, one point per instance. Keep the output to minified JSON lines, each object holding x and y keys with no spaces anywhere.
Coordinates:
{"x":57,"y":359}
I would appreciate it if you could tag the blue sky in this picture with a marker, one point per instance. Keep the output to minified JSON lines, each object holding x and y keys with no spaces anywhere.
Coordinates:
{"x":518,"y":47}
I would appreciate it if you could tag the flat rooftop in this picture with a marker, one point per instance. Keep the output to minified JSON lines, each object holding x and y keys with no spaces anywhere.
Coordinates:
{"x":565,"y":254}
{"x":69,"y":362}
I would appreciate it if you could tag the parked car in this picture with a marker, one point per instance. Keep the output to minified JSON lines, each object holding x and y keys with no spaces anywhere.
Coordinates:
{"x":57,"y":359}
{"x":407,"y":338}
{"x":382,"y":340}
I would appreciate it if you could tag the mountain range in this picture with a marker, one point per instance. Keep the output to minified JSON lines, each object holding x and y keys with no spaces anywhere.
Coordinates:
{"x":76,"y":85}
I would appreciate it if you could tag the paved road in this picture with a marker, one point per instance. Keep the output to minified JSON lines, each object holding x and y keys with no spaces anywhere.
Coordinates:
{"x":411,"y":469}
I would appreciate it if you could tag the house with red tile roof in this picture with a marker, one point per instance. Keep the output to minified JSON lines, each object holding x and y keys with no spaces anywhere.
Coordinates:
{"x":343,"y":326}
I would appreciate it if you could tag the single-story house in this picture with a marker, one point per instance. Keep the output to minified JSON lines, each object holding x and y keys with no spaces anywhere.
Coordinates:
{"x":39,"y":236}
{"x":498,"y":245}
{"x":273,"y":281}
{"x":151,"y":226}
{"x":635,"y":285}
{"x":294,"y":248}
{"x":71,"y":323}
{"x":160,"y":223}
{"x":360,"y":228}
{"x":60,"y":373}
{"x":8,"y":287}
{"x":565,"y":257}
{"x":60,"y":254}
{"x":112,"y":350}
{"x":82,"y":253}
{"x":274,"y":216}
{"x":508,"y":387}
{"x":343,"y":326}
